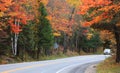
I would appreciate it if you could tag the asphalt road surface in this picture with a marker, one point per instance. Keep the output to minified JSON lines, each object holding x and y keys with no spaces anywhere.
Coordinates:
{"x":67,"y":65}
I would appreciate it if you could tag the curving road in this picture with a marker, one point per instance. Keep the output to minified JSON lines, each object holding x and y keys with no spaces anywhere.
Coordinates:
{"x":67,"y":65}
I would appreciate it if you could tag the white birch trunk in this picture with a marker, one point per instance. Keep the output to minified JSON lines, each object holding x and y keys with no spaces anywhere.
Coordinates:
{"x":14,"y":40}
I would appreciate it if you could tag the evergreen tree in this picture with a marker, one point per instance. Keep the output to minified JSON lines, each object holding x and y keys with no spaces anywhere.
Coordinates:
{"x":26,"y":41}
{"x":44,"y":33}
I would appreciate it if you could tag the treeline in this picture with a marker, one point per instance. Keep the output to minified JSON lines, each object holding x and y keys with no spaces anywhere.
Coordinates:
{"x":37,"y":39}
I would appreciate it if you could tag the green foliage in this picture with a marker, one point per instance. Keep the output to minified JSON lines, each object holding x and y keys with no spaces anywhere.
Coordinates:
{"x":95,"y":41}
{"x":27,"y":37}
{"x":42,"y":10}
{"x":44,"y":33}
{"x":82,"y":41}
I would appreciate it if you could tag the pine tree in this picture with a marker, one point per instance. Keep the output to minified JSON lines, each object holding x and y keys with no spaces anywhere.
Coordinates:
{"x":26,"y":41}
{"x":44,"y":33}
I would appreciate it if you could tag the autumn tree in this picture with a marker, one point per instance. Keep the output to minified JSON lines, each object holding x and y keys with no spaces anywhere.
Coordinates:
{"x":59,"y":16}
{"x":103,"y":15}
{"x":13,"y":15}
{"x":18,"y":18}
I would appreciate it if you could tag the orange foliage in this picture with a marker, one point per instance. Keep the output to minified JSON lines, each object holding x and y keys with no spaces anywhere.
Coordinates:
{"x":96,"y":19}
{"x":58,"y":16}
{"x":18,"y":15}
{"x":16,"y":29}
{"x":4,"y":4}
{"x":105,"y":6}
{"x":87,"y":4}
{"x":86,"y":24}
{"x":17,"y":12}
{"x":45,"y":1}
{"x":4,"y":7}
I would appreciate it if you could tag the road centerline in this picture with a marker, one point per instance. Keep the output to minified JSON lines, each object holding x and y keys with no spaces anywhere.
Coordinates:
{"x":27,"y":67}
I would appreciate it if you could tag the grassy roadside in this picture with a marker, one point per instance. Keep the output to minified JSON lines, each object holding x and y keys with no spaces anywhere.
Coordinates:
{"x":108,"y":66}
{"x":7,"y":60}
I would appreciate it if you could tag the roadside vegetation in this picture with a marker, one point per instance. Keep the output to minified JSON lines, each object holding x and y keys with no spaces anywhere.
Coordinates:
{"x":45,"y":31}
{"x":109,"y":66}
{"x":7,"y":59}
{"x":34,"y":30}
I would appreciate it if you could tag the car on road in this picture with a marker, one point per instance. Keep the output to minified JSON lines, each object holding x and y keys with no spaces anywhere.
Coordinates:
{"x":107,"y":52}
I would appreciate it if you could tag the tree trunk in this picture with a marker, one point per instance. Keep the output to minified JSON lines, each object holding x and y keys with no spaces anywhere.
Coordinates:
{"x":65,"y":43}
{"x":47,"y":51}
{"x":117,"y":37}
{"x":38,"y":53}
{"x":79,"y":50}
{"x":71,"y":44}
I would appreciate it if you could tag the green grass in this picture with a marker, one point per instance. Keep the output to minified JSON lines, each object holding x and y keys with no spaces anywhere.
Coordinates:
{"x":52,"y":57}
{"x":108,"y":66}
{"x":59,"y":55}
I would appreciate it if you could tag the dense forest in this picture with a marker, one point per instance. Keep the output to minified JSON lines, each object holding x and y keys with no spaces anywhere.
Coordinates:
{"x":33,"y":29}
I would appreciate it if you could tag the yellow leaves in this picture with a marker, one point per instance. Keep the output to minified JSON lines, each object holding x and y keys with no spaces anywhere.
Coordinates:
{"x":74,"y":3}
{"x":1,"y":14}
{"x":56,"y":34}
{"x":89,"y":36}
{"x":45,"y":2}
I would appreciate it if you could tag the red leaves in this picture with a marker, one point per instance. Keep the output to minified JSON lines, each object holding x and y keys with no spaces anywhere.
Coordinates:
{"x":16,"y":7}
{"x":85,"y":31}
{"x":23,"y":18}
{"x":18,"y":16}
{"x":16,"y":29}
{"x":24,"y":21}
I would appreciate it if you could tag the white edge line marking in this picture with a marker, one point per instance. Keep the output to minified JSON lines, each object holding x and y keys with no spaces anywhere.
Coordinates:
{"x":62,"y":69}
{"x":66,"y":67}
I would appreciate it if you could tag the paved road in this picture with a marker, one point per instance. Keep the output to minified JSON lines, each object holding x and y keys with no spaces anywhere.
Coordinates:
{"x":66,"y":65}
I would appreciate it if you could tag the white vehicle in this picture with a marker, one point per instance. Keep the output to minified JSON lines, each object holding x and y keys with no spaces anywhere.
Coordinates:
{"x":107,"y":52}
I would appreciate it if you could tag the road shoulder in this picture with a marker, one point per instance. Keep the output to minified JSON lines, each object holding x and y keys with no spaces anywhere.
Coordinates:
{"x":91,"y":69}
